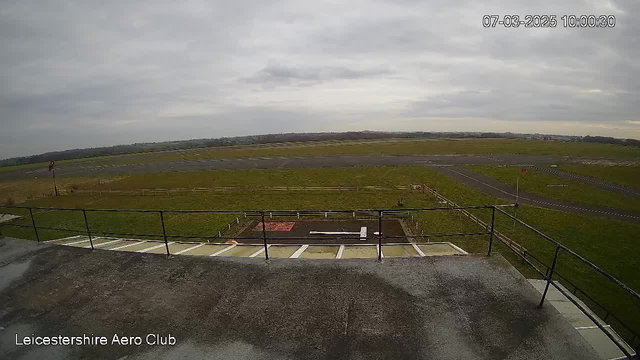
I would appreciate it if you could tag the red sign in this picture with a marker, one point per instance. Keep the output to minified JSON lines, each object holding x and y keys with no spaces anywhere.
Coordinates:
{"x":524,"y":170}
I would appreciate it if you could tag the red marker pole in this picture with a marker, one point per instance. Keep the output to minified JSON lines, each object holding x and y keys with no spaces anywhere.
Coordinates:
{"x":55,"y":187}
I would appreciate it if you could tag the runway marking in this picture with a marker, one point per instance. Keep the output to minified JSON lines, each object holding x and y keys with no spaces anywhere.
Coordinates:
{"x":417,"y":249}
{"x":299,"y":252}
{"x":189,"y":249}
{"x":126,"y":246}
{"x":67,"y":238}
{"x":75,"y":242}
{"x":259,"y":251}
{"x":107,"y":243}
{"x":223,"y":250}
{"x":340,"y":252}
{"x":153,"y":248}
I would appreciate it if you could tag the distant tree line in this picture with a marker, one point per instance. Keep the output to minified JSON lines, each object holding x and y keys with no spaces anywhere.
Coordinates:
{"x":288,"y":137}
{"x":610,"y":140}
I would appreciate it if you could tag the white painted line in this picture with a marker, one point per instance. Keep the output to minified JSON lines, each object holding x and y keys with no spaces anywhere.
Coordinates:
{"x":457,"y":248}
{"x":107,"y":243}
{"x":75,"y":242}
{"x":67,"y":238}
{"x":94,"y":245}
{"x":259,"y":251}
{"x":622,"y":357}
{"x":340,"y":251}
{"x":334,"y":232}
{"x":189,"y":249}
{"x":223,"y":250}
{"x":299,"y":252}
{"x":153,"y":247}
{"x":417,"y":249}
{"x":126,"y":246}
{"x":591,"y":327}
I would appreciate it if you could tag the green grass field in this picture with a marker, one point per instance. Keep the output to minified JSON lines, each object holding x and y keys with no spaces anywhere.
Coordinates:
{"x":375,"y":175}
{"x":538,"y":183}
{"x":404,"y":147}
{"x":390,"y":146}
{"x":605,"y":242}
{"x":624,"y":175}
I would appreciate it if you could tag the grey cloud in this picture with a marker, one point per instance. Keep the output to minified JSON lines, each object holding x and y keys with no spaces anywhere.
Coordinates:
{"x":95,"y":72}
{"x":283,"y":74}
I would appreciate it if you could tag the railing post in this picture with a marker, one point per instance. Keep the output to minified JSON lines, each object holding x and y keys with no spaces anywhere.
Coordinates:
{"x":264,"y":237}
{"x":33,"y":221}
{"x":86,"y":224}
{"x":164,"y":232}
{"x":379,"y":235}
{"x":493,"y":224}
{"x":550,"y":276}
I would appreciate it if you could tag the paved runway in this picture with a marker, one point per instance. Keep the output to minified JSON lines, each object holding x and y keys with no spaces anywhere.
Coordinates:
{"x":503,"y":191}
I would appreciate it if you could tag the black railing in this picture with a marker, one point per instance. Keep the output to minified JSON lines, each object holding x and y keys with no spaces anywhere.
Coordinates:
{"x":551,"y":271}
{"x":379,"y":215}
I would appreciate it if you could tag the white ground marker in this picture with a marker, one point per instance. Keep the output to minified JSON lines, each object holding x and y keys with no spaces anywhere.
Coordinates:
{"x":67,"y":238}
{"x":223,"y":250}
{"x":75,"y":242}
{"x":105,"y":244}
{"x":126,"y":246}
{"x":340,"y":251}
{"x":189,"y":249}
{"x":459,"y":249}
{"x":417,"y":249}
{"x":152,"y":248}
{"x":363,"y":233}
{"x":299,"y":252}
{"x":259,"y":251}
{"x":94,"y":245}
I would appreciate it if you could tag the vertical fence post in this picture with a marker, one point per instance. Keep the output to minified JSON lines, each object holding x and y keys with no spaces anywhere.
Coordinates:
{"x":86,"y":224}
{"x":493,"y":223}
{"x":164,"y":232}
{"x":33,"y":221}
{"x":264,"y":237}
{"x":379,"y":235}
{"x":550,"y":276}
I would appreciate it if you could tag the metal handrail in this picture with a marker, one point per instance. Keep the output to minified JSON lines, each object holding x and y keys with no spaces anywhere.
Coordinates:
{"x":374,"y":213}
{"x":549,"y":277}
{"x":581,"y":258}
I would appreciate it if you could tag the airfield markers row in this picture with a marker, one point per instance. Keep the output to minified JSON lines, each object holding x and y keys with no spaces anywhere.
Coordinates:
{"x":311,"y":251}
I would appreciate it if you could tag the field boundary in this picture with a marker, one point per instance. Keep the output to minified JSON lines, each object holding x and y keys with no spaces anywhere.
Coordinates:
{"x":502,"y":237}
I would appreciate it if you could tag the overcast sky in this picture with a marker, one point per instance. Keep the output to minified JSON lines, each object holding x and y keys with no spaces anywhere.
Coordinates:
{"x":93,"y":73}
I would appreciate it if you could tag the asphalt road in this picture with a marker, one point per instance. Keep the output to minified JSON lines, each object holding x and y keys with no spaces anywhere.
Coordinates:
{"x":495,"y":188}
{"x":443,"y":307}
{"x":282,"y":162}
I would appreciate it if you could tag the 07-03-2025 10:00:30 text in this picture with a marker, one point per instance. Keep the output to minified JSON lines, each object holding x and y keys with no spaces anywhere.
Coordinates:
{"x":549,"y":21}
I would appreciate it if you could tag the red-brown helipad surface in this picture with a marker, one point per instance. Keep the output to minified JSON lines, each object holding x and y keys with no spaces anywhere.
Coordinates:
{"x":301,"y":229}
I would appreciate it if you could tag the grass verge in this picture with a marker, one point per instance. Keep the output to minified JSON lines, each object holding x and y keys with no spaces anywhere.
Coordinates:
{"x":543,"y":184}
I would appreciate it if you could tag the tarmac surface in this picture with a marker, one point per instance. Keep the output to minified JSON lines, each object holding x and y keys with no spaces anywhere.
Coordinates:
{"x":288,"y":162}
{"x":498,"y":189}
{"x":448,"y":307}
{"x":300,"y":232}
